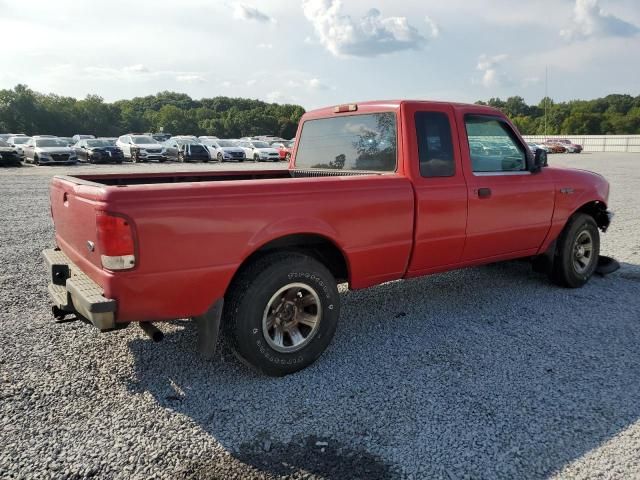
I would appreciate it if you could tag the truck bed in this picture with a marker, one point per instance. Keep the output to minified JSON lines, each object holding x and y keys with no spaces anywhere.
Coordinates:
{"x":193,"y":229}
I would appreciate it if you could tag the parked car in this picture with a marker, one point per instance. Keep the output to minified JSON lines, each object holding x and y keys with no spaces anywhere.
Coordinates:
{"x":77,"y":137}
{"x":98,"y":150}
{"x":41,"y":150}
{"x":18,"y":142}
{"x":366,"y":212}
{"x":259,"y":151}
{"x":555,"y":147}
{"x":284,"y":149}
{"x":186,"y":149}
{"x":537,"y":146}
{"x":5,"y":136}
{"x":224,"y":150}
{"x":568,"y":145}
{"x":8,"y":154}
{"x":141,"y":148}
{"x":202,"y":138}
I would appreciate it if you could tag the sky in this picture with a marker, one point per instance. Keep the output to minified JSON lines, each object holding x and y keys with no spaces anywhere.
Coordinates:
{"x":323,"y":52}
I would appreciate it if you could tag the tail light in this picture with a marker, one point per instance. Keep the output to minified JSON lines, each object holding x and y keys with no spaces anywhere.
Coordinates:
{"x":116,"y":242}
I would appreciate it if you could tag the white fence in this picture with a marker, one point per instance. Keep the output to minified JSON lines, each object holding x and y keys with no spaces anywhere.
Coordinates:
{"x":596,"y":143}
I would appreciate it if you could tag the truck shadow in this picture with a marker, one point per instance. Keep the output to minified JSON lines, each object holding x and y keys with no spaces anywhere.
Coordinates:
{"x":487,"y":372}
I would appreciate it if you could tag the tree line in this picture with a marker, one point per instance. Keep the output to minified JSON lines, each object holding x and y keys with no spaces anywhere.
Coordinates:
{"x":23,"y":110}
{"x":612,"y":115}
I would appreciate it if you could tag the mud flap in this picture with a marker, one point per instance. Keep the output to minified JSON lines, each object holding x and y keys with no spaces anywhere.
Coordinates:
{"x":208,"y":329}
{"x":606,"y":265}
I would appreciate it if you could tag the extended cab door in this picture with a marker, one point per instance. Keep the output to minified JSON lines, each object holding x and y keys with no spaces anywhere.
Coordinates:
{"x":435,"y":164}
{"x":510,"y":208}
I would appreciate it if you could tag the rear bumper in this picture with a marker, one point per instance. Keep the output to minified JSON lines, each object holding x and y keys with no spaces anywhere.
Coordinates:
{"x":74,"y":292}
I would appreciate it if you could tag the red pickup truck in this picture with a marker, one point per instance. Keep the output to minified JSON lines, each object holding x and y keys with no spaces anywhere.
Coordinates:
{"x":374,"y":192}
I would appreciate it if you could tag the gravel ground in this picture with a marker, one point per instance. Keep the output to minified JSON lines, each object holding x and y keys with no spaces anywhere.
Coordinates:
{"x":484,"y":373}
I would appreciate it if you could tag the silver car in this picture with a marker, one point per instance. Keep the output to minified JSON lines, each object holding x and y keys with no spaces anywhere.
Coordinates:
{"x":18,"y":143}
{"x":48,"y":150}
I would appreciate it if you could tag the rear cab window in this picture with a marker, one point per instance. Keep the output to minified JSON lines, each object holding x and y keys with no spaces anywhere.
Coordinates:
{"x":364,"y":142}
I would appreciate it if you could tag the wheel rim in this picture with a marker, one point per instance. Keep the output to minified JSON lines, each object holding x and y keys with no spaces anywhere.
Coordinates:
{"x":583,"y":252}
{"x":292,"y":317}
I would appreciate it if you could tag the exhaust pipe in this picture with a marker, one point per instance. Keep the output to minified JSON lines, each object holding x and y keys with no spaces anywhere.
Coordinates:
{"x":152,"y":331}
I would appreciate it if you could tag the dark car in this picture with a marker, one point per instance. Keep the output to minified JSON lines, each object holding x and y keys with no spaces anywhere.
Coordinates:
{"x":186,"y":149}
{"x":98,"y":151}
{"x":8,"y":154}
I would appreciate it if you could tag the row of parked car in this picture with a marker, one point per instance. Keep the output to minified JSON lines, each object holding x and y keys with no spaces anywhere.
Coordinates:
{"x":50,"y":149}
{"x":556,"y":145}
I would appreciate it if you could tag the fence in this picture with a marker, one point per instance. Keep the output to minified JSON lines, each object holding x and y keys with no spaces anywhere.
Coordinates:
{"x":596,"y":143}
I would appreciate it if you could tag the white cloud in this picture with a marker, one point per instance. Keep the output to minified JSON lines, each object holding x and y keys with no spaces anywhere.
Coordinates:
{"x":316,"y":84}
{"x":592,"y":21}
{"x":226,"y":84}
{"x":190,"y":78}
{"x":139,"y":68}
{"x":491,"y":76}
{"x":434,"y":29}
{"x":369,"y":36}
{"x":251,"y":82}
{"x":247,"y":12}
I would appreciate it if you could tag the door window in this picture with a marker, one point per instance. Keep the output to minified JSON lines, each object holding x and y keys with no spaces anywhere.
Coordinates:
{"x":493,"y":146}
{"x":435,"y":148}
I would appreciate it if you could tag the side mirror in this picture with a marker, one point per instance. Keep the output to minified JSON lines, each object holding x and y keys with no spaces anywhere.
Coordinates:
{"x":539,"y":160}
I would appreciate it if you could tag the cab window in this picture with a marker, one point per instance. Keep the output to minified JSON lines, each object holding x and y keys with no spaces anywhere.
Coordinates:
{"x":365,"y":142}
{"x":435,"y":147}
{"x":493,"y":146}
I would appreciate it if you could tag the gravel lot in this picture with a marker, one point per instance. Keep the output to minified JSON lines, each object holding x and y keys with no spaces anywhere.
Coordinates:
{"x":483,"y":373}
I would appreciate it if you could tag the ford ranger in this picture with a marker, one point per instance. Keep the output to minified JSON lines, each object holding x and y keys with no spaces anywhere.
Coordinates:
{"x":375,"y":192}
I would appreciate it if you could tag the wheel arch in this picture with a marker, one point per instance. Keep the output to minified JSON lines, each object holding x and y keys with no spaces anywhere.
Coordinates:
{"x":318,"y":246}
{"x":596,"y":209}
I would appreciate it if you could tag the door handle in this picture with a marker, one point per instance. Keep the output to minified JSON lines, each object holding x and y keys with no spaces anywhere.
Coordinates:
{"x":483,"y":192}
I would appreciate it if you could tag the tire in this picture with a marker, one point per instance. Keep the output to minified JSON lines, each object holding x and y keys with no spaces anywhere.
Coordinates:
{"x":256,"y":158}
{"x":220,"y":158}
{"x":181,"y":158}
{"x":287,"y":157}
{"x":36,"y":160}
{"x":577,"y":252}
{"x":262,"y":285}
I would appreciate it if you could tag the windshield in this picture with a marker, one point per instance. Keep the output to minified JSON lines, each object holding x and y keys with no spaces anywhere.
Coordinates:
{"x":226,"y":143}
{"x":50,"y":142}
{"x":141,"y":140}
{"x":4,"y":144}
{"x":20,"y":140}
{"x":261,"y":144}
{"x":98,"y":143}
{"x":186,"y":141}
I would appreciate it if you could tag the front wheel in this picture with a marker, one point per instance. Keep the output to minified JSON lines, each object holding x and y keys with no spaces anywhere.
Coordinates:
{"x":256,"y":158}
{"x":220,"y":158}
{"x":282,"y":312}
{"x":577,"y":252}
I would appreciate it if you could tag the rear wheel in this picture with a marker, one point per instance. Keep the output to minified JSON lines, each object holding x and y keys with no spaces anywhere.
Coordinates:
{"x":577,"y":252}
{"x":281,"y":313}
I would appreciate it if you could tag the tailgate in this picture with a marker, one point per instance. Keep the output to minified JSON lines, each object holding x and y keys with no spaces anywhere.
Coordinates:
{"x":73,"y":207}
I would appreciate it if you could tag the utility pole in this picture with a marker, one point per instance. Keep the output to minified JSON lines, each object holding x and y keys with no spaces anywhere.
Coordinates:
{"x":546,"y":96}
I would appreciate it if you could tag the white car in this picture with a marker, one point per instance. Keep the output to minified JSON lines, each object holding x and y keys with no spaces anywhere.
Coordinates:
{"x":141,"y":148}
{"x":223,"y":150}
{"x":259,"y":151}
{"x":18,"y":143}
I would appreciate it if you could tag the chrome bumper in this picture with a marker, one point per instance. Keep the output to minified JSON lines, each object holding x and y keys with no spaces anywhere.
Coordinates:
{"x":74,"y":292}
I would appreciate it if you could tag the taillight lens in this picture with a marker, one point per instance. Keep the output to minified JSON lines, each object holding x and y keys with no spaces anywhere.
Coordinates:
{"x":115,"y":239}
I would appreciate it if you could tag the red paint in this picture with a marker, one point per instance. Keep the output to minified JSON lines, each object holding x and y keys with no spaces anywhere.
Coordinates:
{"x":191,"y":237}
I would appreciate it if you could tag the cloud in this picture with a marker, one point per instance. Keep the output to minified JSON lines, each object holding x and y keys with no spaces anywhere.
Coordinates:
{"x":226,"y":84}
{"x":316,"y":84}
{"x":190,"y":78}
{"x":247,"y":12}
{"x":491,"y":76}
{"x":368,"y":36}
{"x":434,"y":29}
{"x":251,"y":82}
{"x":139,"y":68}
{"x":592,"y":21}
